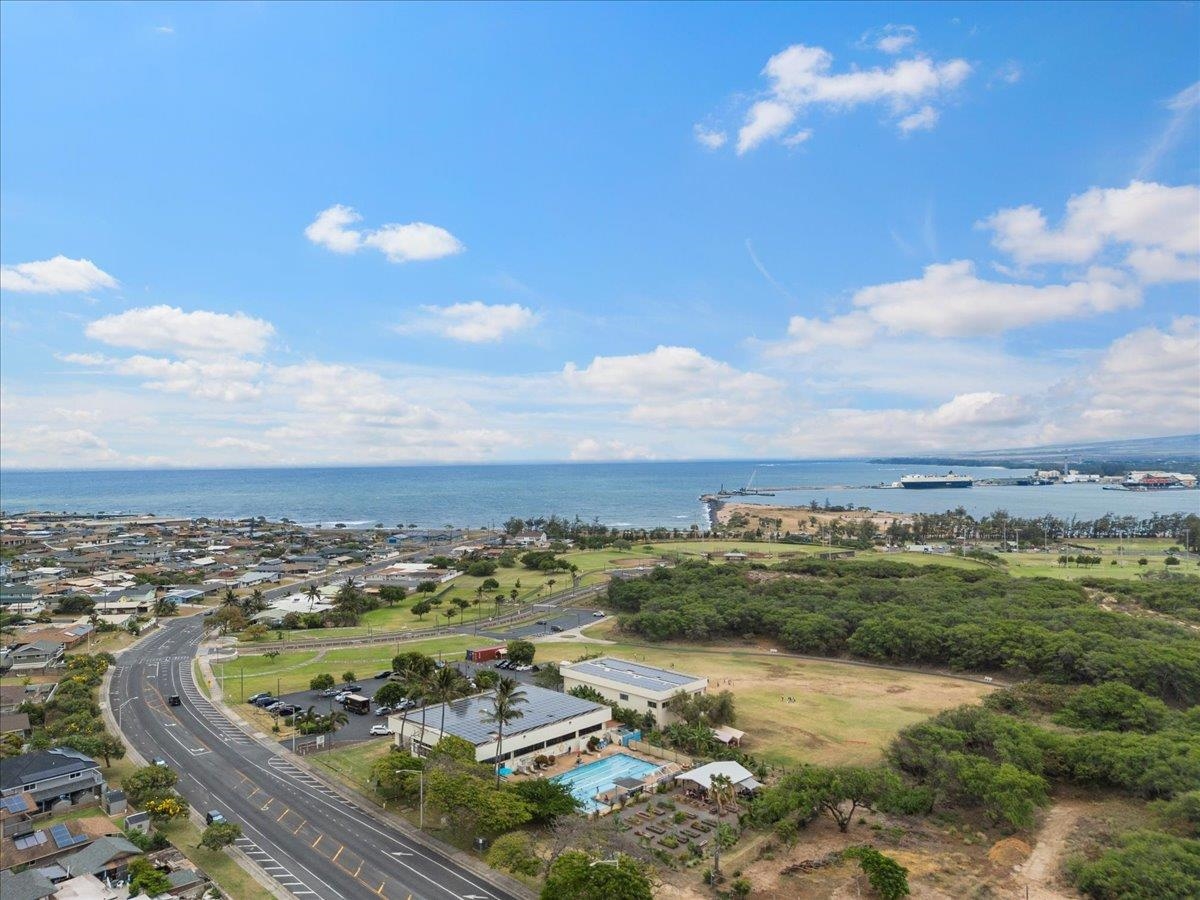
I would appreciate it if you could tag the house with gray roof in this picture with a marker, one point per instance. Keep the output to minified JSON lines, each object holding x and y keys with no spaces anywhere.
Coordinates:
{"x":552,"y":722}
{"x":33,"y":656}
{"x":106,"y":858}
{"x":55,"y":779}
{"x":28,"y":885}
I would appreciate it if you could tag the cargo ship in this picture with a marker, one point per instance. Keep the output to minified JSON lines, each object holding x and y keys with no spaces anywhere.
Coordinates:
{"x":949,"y":480}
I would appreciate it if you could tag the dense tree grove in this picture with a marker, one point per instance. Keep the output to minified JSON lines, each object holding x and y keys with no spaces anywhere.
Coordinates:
{"x":930,"y":615}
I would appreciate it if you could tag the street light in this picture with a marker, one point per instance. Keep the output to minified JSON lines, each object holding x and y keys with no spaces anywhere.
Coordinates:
{"x":421,"y":776}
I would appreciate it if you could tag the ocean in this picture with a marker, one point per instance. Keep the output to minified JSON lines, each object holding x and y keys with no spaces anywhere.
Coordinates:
{"x":633,"y":494}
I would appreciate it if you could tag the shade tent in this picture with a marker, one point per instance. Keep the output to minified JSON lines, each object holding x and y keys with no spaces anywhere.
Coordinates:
{"x":741,"y":777}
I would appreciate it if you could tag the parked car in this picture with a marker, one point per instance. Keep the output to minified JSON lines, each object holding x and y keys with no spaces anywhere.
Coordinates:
{"x":286,"y":710}
{"x":386,"y":673}
{"x":352,"y":688}
{"x":598,"y":615}
{"x":556,"y":628}
{"x":254,"y":698}
{"x":214,"y":817}
{"x":540,"y":622}
{"x":525,"y":668}
{"x":380,"y":729}
{"x":159,"y":761}
{"x":383,"y":710}
{"x":265,"y":701}
{"x":275,"y":707}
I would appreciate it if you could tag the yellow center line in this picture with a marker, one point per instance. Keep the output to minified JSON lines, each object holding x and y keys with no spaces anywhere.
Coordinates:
{"x":379,"y":890}
{"x":359,"y":869}
{"x":317,"y":841}
{"x":339,"y":853}
{"x":282,"y":814}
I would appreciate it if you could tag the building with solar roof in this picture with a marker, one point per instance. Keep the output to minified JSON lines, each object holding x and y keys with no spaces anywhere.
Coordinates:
{"x":54,"y":779}
{"x":643,"y":688}
{"x":552,"y":722}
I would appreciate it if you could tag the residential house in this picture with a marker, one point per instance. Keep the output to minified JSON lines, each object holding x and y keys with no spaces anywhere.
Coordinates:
{"x":55,"y":779}
{"x":107,"y":858}
{"x":32,"y":657}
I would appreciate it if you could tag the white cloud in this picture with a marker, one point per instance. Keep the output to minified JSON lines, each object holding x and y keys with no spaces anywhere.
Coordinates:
{"x":890,"y":38}
{"x":1150,"y":377}
{"x":849,"y":331}
{"x":164,"y":29}
{"x":234,"y":443}
{"x":41,"y":442}
{"x":1142,"y":216}
{"x":766,"y":119}
{"x":416,"y":241}
{"x":59,"y":275}
{"x":474,"y":323}
{"x":1010,"y":72}
{"x":1182,"y":106}
{"x":663,"y":372}
{"x":710,"y":138}
{"x":800,"y":77}
{"x":330,"y":229}
{"x":229,"y":379}
{"x":950,"y":300}
{"x":170,"y":329}
{"x":797,"y":138}
{"x":590,"y":449}
{"x":922,"y":120}
{"x":677,"y":386}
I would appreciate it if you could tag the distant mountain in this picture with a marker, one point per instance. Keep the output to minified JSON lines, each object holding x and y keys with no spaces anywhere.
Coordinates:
{"x":1174,"y":453}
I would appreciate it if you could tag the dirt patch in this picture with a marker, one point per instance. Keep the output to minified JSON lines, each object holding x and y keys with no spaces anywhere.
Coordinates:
{"x":1009,"y":852}
{"x":898,"y":689}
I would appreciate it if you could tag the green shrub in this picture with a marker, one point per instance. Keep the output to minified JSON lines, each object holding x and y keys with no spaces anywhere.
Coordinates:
{"x":887,"y":877}
{"x":1146,"y":864}
{"x":514,"y":852}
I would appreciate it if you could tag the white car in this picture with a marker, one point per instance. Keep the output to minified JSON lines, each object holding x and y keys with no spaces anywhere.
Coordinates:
{"x":597,"y":615}
{"x":380,"y":729}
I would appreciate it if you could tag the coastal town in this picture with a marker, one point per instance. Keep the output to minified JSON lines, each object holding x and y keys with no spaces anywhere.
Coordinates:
{"x":401,"y":667}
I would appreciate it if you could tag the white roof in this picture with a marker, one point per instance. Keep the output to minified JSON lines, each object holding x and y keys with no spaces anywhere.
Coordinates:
{"x":703,"y":776}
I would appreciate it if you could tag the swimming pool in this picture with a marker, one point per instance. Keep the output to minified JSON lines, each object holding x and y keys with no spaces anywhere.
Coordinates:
{"x":594,"y":778}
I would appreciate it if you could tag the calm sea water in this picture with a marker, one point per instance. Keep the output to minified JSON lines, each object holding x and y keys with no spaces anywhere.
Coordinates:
{"x":634,"y":494}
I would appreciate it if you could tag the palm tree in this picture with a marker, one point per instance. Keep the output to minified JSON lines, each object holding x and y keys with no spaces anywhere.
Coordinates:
{"x":336,"y":719}
{"x":445,"y":686}
{"x":505,"y":702}
{"x":230,"y":598}
{"x":722,"y":793}
{"x":313,"y":593}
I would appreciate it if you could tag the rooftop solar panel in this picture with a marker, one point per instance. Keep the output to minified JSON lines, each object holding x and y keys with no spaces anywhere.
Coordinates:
{"x":62,"y":837}
{"x":14,"y":804}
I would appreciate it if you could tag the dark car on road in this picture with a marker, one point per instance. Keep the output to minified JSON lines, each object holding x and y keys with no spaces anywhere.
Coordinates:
{"x":266,"y":701}
{"x":174,"y":700}
{"x":387,"y":673}
{"x":214,"y":817}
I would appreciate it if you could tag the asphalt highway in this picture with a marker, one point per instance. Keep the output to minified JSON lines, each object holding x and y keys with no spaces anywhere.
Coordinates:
{"x":312,"y":841}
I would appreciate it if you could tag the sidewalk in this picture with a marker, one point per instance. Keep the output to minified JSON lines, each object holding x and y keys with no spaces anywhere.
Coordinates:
{"x":365,"y":803}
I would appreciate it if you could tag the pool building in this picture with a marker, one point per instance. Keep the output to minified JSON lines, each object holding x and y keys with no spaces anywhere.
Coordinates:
{"x":552,"y":723}
{"x":644,"y":688}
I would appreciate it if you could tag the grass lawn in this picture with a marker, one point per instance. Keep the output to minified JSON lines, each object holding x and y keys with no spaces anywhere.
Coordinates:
{"x":843,"y":714}
{"x":353,"y":763}
{"x":292,"y":670}
{"x":233,"y":880}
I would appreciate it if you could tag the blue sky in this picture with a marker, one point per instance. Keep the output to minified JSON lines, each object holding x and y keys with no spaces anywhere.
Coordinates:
{"x":271,"y":234}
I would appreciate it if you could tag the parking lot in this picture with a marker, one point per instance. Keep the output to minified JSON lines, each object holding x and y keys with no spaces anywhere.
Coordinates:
{"x":359,"y":726}
{"x":357,"y":729}
{"x":565,"y":619}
